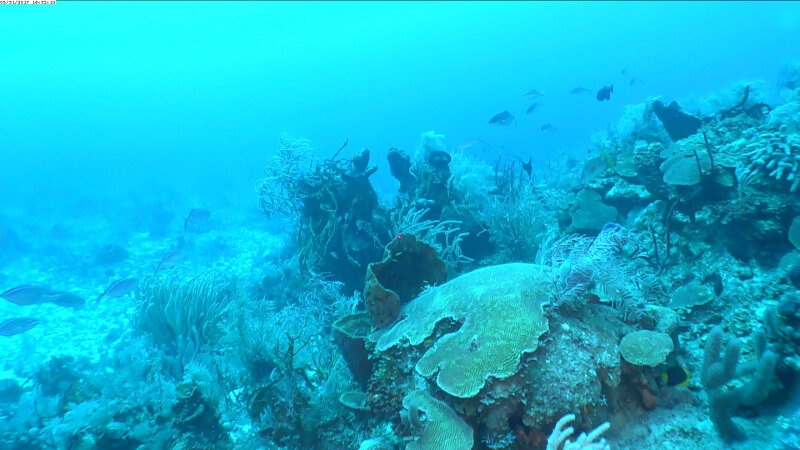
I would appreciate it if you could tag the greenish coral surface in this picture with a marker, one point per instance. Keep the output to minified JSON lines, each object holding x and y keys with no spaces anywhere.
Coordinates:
{"x":500,"y":308}
{"x":442,"y":429}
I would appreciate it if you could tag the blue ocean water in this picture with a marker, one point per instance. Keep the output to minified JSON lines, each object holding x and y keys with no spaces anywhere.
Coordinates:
{"x":134,"y":139}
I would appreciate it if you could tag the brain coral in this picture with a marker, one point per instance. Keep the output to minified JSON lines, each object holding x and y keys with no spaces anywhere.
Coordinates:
{"x":500,"y":311}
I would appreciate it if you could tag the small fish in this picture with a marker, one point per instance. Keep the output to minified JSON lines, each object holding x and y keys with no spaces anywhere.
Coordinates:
{"x":533,"y":94}
{"x":675,"y":376}
{"x":65,"y":299}
{"x":579,"y":90}
{"x":527,"y":166}
{"x":470,"y":144}
{"x":504,"y":118}
{"x":635,"y":81}
{"x":534,"y":106}
{"x":28,"y":294}
{"x":605,"y":93}
{"x":196,"y":215}
{"x":548,"y":128}
{"x":624,"y":72}
{"x":171,"y":259}
{"x":593,"y":168}
{"x":17,"y":325}
{"x":120,"y":288}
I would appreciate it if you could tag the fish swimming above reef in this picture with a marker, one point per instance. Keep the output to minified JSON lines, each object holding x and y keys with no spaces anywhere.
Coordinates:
{"x":503,"y":119}
{"x":66,"y":299}
{"x":635,"y":81}
{"x":593,"y":167}
{"x":579,"y":90}
{"x":548,"y":128}
{"x":533,"y":94}
{"x":675,"y":376}
{"x":120,"y":288}
{"x":527,"y":166}
{"x":534,"y":106}
{"x":28,"y":294}
{"x":196,"y":215}
{"x":17,"y":325}
{"x":171,"y":259}
{"x":472,"y":144}
{"x":605,"y":93}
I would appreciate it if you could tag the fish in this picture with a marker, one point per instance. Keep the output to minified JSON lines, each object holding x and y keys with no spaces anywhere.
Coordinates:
{"x":534,"y":106}
{"x":605,"y":93}
{"x":120,"y":288}
{"x":675,"y":376}
{"x":579,"y":90}
{"x":548,"y":128}
{"x":28,"y":294}
{"x":196,"y":215}
{"x":532,"y":94}
{"x":593,"y":167}
{"x":17,"y":325}
{"x":635,"y":81}
{"x":65,"y":299}
{"x":470,"y":144}
{"x":504,"y":118}
{"x":171,"y":259}
{"x":527,"y":166}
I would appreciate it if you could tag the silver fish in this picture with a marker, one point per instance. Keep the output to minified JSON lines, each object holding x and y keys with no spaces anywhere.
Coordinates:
{"x":171,"y":259}
{"x":196,"y":215}
{"x":28,"y":294}
{"x":17,"y":325}
{"x":65,"y":299}
{"x":120,"y":288}
{"x":534,"y":106}
{"x":548,"y":128}
{"x":532,"y":94}
{"x":504,"y":118}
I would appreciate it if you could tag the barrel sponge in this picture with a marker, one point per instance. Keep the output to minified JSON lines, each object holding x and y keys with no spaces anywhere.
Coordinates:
{"x":442,"y":429}
{"x":501,"y":316}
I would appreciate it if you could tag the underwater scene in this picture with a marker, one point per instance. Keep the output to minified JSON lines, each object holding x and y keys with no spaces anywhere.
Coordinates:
{"x":400,"y":225}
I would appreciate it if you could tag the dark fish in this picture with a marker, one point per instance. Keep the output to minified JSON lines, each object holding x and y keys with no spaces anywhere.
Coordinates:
{"x":504,"y":118}
{"x":196,"y":215}
{"x":527,"y":166}
{"x":532,"y":94}
{"x":65,"y":299}
{"x":170,"y":259}
{"x":605,"y":93}
{"x":635,"y":81}
{"x":28,"y":294}
{"x":534,"y":106}
{"x":579,"y":91}
{"x":17,"y":325}
{"x":548,"y":128}
{"x":119,"y":288}
{"x":675,"y":376}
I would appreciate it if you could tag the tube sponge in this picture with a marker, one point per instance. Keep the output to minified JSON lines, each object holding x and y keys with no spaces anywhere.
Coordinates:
{"x":719,"y":369}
